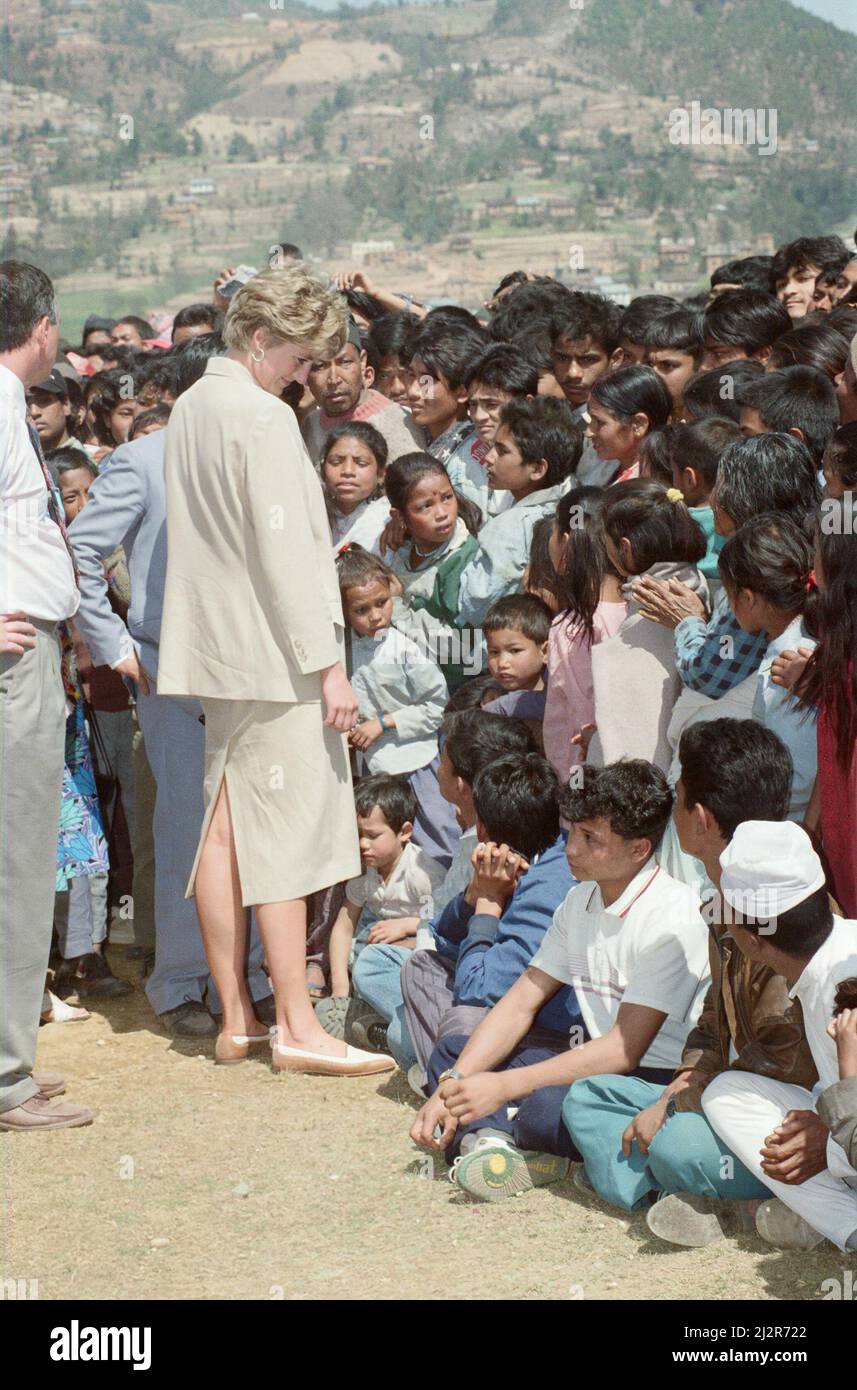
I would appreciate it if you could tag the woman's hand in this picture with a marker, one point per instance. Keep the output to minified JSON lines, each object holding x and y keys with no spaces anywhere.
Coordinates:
{"x":667,"y":602}
{"x":365,"y":734}
{"x":340,"y":702}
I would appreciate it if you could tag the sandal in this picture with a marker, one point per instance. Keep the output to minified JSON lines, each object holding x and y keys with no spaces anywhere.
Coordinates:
{"x":315,"y":981}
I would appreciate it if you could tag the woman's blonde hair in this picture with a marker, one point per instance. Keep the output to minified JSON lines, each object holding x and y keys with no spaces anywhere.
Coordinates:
{"x":293,"y":307}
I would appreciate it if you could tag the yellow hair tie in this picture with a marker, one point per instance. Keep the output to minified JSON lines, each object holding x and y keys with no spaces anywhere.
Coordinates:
{"x":673,"y":495}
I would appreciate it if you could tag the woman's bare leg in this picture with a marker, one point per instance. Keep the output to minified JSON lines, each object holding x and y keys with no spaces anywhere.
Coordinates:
{"x":282,"y":927}
{"x":223,"y":920}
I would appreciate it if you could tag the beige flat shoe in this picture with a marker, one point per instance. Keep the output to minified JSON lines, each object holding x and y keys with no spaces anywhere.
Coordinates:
{"x":235,"y":1047}
{"x":355,"y":1062}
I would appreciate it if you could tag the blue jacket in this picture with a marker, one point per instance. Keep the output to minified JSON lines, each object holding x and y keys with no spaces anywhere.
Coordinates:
{"x":491,"y":955}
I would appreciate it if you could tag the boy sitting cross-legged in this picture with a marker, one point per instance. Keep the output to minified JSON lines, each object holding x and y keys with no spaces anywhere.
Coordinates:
{"x":630,"y":941}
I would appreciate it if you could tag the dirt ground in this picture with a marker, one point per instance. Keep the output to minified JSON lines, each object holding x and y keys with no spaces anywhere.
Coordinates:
{"x":204,"y":1182}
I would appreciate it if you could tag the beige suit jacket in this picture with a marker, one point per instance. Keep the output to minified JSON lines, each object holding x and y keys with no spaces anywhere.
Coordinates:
{"x":251,"y":607}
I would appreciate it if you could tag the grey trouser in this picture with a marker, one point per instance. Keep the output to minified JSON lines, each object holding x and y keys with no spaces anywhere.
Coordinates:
{"x":426,"y":982}
{"x":175,"y":747}
{"x":32,"y":749}
{"x":143,"y":845}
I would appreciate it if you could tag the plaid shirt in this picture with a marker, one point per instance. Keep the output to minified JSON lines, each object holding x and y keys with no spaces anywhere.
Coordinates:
{"x":712,"y":658}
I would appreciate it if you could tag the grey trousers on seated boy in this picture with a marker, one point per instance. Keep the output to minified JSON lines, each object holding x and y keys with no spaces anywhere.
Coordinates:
{"x":427,"y":981}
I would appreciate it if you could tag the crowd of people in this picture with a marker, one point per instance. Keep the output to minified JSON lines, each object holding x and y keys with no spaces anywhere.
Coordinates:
{"x":467,"y":693}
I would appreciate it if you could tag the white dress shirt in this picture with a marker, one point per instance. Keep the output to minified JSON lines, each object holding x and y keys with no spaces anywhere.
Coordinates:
{"x":36,"y":573}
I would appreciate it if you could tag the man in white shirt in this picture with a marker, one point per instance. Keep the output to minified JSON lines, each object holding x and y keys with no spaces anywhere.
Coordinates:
{"x":631,"y":942}
{"x":38,"y":589}
{"x":773,"y":878}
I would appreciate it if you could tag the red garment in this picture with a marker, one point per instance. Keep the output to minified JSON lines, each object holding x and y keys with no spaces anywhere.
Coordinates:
{"x":838,"y":794}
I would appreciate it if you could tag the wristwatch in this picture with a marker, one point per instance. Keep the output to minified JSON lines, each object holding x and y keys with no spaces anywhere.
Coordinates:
{"x":451,"y":1074}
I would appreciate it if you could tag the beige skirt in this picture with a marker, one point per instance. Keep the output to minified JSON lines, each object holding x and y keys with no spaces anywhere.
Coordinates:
{"x":290,"y":797}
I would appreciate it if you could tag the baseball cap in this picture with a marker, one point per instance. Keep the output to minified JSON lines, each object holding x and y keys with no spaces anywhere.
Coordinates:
{"x":55,"y":383}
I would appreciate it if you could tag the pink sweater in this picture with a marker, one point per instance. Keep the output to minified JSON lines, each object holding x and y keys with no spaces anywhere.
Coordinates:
{"x":570,"y":699}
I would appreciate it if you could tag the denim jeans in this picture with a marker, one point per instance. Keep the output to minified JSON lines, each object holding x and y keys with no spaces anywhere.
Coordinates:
{"x":375,"y":977}
{"x":684,"y":1156}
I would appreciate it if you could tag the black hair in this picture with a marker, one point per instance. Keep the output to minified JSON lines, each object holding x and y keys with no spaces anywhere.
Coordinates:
{"x":842,"y":455}
{"x":636,"y":320}
{"x":143,"y":327}
{"x":392,"y":795}
{"x":120,"y":354}
{"x":517,"y":799}
{"x":766,"y":473}
{"x":65,"y":458}
{"x":772,"y":557}
{"x":530,"y":305}
{"x":288,"y":248}
{"x":846,"y":995}
{"x":446,"y":346}
{"x":110,"y":388}
{"x":192,"y":315}
{"x":801,"y":931}
{"x":822,"y":252}
{"x":472,"y":738}
{"x":830,"y":676}
{"x":748,"y":273}
{"x":160,"y":371}
{"x":540,"y":576}
{"x":506,"y":368}
{"x":631,"y":390}
{"x":819,"y":345}
{"x":843,"y":317}
{"x":155,"y":415}
{"x":26,"y":296}
{"x":658,"y":529}
{"x":514,"y":277}
{"x":472,"y":692}
{"x":192,"y":357}
{"x":534,"y":342}
{"x":390,"y":333}
{"x":405,"y":472}
{"x":366,"y":433}
{"x":655,"y":456}
{"x":585,"y":562}
{"x":633,"y":796}
{"x":523,"y":613}
{"x":719,"y":391}
{"x":678,"y":331}
{"x":585,"y":315}
{"x":737,"y":769}
{"x":745,"y":319}
{"x":797,"y":398}
{"x":700,"y":444}
{"x":356,"y":567}
{"x":544,"y":429}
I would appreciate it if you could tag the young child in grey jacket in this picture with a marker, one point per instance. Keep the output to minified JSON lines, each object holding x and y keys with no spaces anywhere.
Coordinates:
{"x":400,"y":690}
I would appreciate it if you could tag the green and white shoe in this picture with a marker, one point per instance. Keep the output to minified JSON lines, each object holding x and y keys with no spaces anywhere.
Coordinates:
{"x":492,"y":1171}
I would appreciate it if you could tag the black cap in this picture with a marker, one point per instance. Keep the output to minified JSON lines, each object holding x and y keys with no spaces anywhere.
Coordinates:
{"x":95,"y":321}
{"x":55,"y":383}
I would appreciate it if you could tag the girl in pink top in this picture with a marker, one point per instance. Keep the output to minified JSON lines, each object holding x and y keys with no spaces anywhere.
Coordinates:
{"x":592,"y":610}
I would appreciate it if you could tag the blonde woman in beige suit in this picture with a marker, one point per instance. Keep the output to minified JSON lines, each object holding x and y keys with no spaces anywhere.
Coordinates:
{"x":253,"y":627}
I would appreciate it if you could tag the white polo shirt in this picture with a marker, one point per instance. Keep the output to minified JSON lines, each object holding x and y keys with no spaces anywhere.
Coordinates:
{"x":835,"y":961}
{"x":650,"y":947}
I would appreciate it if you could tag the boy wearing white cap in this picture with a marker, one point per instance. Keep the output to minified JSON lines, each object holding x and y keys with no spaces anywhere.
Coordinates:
{"x":771,"y":875}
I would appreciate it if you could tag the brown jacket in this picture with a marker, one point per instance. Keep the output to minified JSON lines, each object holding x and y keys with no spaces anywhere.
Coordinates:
{"x":749,"y":1006}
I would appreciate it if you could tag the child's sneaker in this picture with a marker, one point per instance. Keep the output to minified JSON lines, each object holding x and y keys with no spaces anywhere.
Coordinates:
{"x":331,"y":1014}
{"x":684,"y":1218}
{"x":360,"y":1021}
{"x":493,"y":1170}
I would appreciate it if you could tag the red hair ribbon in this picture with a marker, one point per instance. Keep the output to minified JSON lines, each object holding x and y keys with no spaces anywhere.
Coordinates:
{"x":811,"y":582}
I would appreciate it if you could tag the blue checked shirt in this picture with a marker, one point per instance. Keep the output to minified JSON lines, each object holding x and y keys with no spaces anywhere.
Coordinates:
{"x":712,"y":658}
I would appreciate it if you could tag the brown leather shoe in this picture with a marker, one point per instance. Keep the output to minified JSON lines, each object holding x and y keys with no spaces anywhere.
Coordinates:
{"x":50,"y":1083}
{"x":40,"y":1113}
